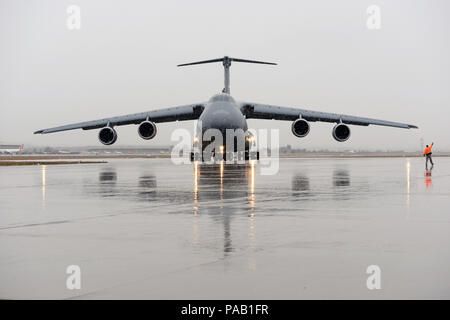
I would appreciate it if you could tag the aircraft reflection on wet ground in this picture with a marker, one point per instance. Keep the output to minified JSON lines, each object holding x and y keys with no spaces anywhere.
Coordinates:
{"x":219,"y":190}
{"x":210,"y":182}
{"x":218,"y":182}
{"x":223,"y":191}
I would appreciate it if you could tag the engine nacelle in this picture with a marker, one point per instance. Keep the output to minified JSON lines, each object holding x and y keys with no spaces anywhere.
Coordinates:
{"x":147,"y":130}
{"x":341,"y":132}
{"x":107,"y":136}
{"x":300,"y":128}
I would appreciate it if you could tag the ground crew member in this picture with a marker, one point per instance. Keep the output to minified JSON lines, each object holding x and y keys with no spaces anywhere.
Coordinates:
{"x":427,"y":154}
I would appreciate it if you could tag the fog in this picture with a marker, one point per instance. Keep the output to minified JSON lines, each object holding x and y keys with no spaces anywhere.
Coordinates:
{"x":123,"y":60}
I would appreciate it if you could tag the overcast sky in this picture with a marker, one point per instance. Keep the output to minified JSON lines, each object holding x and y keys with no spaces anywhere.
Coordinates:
{"x":123,"y":60}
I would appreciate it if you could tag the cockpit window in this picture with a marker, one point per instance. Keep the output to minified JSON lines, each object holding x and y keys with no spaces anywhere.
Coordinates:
{"x":221,"y":97}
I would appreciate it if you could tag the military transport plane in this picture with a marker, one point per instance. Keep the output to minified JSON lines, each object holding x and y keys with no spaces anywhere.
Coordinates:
{"x":222,"y":112}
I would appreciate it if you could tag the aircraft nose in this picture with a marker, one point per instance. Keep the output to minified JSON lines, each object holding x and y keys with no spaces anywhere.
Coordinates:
{"x":222,"y":120}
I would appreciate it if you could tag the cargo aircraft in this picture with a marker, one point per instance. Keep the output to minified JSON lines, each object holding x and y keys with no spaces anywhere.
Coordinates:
{"x":222,"y":113}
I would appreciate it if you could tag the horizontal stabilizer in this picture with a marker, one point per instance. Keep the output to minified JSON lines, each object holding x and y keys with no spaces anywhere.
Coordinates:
{"x":252,"y":61}
{"x":200,"y":62}
{"x":225,"y":60}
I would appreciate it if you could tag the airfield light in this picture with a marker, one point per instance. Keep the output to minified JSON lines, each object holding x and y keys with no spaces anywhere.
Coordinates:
{"x":196,"y":181}
{"x":44,"y":183}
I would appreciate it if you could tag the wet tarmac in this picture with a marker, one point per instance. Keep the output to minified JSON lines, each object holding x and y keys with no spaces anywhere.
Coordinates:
{"x":149,"y":229}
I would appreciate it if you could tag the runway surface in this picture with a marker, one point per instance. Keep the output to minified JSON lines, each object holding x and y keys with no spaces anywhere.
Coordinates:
{"x":149,"y":229}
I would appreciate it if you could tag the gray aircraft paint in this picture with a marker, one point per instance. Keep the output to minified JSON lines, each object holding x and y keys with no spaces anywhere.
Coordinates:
{"x":222,"y":112}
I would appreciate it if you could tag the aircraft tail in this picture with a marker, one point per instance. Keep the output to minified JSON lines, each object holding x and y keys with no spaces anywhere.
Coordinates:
{"x":226,"y":64}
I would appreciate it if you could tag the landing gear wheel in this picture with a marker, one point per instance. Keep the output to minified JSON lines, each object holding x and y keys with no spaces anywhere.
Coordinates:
{"x":251,"y":155}
{"x":196,"y":156}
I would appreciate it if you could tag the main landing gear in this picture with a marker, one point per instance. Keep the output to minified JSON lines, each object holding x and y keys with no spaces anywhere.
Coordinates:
{"x":227,"y":156}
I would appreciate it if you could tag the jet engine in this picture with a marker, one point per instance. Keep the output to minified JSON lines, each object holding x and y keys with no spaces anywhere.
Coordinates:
{"x":300,"y":128}
{"x":107,"y":136}
{"x":147,"y":130}
{"x":341,"y":132}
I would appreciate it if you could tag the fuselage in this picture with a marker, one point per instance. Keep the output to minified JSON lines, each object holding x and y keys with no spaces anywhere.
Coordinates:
{"x":221,"y":113}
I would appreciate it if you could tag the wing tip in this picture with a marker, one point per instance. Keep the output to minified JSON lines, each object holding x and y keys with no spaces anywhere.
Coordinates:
{"x":39,"y":132}
{"x":411,"y":126}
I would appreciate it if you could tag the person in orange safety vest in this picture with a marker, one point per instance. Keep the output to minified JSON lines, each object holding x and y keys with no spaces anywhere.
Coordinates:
{"x":427,"y":154}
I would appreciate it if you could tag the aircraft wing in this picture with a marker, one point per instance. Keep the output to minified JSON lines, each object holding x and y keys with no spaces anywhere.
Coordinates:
{"x":266,"y":111}
{"x":186,"y":112}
